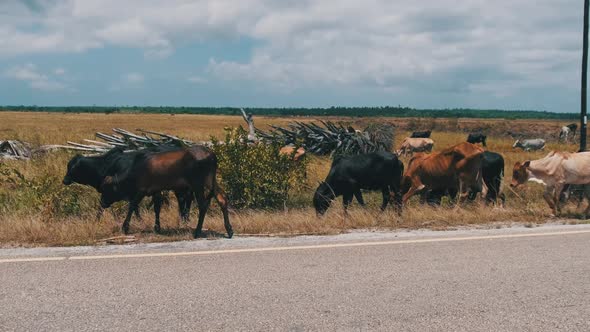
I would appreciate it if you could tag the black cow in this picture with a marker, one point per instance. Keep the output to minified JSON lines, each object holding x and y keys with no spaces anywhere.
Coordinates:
{"x":573,"y":128}
{"x":349,"y":174}
{"x":92,"y":171}
{"x":492,"y":168}
{"x":421,"y":134}
{"x":574,"y":192}
{"x":192,"y":169}
{"x":477,"y":138}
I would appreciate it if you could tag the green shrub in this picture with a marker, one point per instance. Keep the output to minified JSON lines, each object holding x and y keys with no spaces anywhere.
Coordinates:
{"x":257,"y":175}
{"x":44,"y":193}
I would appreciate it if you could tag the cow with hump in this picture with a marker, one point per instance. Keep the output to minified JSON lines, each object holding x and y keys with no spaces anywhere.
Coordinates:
{"x":186,"y":169}
{"x":92,"y":171}
{"x":456,"y":167}
{"x":349,"y":174}
{"x":554,"y":171}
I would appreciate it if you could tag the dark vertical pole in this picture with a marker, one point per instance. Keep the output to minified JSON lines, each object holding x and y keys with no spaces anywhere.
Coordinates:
{"x":583,"y":119}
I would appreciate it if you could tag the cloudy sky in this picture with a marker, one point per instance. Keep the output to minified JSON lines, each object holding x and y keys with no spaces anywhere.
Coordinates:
{"x":511,"y":54}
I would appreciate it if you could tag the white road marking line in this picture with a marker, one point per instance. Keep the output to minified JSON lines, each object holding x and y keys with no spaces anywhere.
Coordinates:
{"x":316,"y":246}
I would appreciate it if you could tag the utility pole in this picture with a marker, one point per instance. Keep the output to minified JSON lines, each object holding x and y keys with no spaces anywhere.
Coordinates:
{"x":583,"y":118}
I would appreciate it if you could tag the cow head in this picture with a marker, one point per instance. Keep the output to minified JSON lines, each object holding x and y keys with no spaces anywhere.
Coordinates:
{"x":517,"y":144}
{"x":520,"y":173}
{"x":110,"y":192}
{"x":323,"y":198}
{"x":75,"y":170}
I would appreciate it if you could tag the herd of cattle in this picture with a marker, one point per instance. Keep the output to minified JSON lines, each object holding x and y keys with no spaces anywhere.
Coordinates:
{"x":461,"y":172}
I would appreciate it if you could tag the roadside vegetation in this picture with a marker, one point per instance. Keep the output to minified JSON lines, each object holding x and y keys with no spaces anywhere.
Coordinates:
{"x":37,"y":209}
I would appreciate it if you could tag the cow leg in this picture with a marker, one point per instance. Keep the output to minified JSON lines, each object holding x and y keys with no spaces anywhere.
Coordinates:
{"x":549,"y":199}
{"x":410,"y":193}
{"x":346,"y":200}
{"x":157,"y":200}
{"x":203,"y":203}
{"x":556,"y":196}
{"x":587,"y":197}
{"x":397,"y":200}
{"x":386,"y":196}
{"x":184,"y":200}
{"x":133,"y":206}
{"x":136,"y":211}
{"x":221,"y":199}
{"x":359,"y":197}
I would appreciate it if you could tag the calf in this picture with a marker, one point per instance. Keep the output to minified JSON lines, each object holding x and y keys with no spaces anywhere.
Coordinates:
{"x":349,"y":174}
{"x":530,"y":144}
{"x":92,"y":171}
{"x":411,"y":145}
{"x":421,"y":134}
{"x":188,"y":169}
{"x":477,"y":138}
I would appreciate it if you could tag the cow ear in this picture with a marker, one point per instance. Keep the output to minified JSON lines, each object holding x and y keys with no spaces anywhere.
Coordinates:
{"x":527,"y":164}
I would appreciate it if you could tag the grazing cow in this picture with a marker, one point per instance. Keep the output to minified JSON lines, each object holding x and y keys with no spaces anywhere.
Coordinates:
{"x":530,"y":144}
{"x":564,"y":133}
{"x":573,"y":129}
{"x":554,"y":171}
{"x":492,"y":171}
{"x":91,"y":171}
{"x":477,"y":138}
{"x":411,"y":145}
{"x":349,"y":174}
{"x":456,"y":167}
{"x":421,"y":134}
{"x":188,"y":169}
{"x":291,"y":150}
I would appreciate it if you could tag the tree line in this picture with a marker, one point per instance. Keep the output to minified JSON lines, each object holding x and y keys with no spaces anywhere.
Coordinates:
{"x":384,"y":111}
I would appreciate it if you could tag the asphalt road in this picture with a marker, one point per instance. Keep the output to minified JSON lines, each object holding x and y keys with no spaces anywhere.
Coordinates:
{"x":515,"y":279}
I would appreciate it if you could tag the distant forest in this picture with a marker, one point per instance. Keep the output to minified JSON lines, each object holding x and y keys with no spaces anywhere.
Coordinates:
{"x":385,"y":111}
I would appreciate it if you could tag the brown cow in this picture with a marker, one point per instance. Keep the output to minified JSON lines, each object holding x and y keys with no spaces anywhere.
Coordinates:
{"x":456,"y":167}
{"x":186,"y":169}
{"x":289,"y":150}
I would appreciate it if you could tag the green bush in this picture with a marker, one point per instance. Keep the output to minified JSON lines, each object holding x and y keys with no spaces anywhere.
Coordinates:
{"x":43,"y":193}
{"x":257,"y":175}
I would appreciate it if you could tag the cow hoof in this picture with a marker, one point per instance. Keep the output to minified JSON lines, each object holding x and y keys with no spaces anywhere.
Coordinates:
{"x":126,"y":230}
{"x":157,"y":229}
{"x":196,"y":235}
{"x":230,"y":234}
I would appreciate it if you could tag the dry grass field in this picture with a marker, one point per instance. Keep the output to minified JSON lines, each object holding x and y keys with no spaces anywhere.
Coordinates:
{"x":24,"y":220}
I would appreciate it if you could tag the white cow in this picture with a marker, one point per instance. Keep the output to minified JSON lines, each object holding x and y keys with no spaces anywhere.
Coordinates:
{"x":411,"y":145}
{"x":555,"y":171}
{"x":530,"y":144}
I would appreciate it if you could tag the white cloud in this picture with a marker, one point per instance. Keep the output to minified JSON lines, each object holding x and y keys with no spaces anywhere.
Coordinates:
{"x":197,"y":79}
{"x":447,"y":45}
{"x":36,"y":80}
{"x":133,"y":78}
{"x":59,"y":71}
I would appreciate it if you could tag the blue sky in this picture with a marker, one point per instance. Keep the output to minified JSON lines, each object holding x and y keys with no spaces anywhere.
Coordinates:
{"x":510,"y":54}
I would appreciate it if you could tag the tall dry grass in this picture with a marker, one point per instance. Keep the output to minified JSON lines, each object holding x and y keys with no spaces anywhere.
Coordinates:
{"x":26,"y":217}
